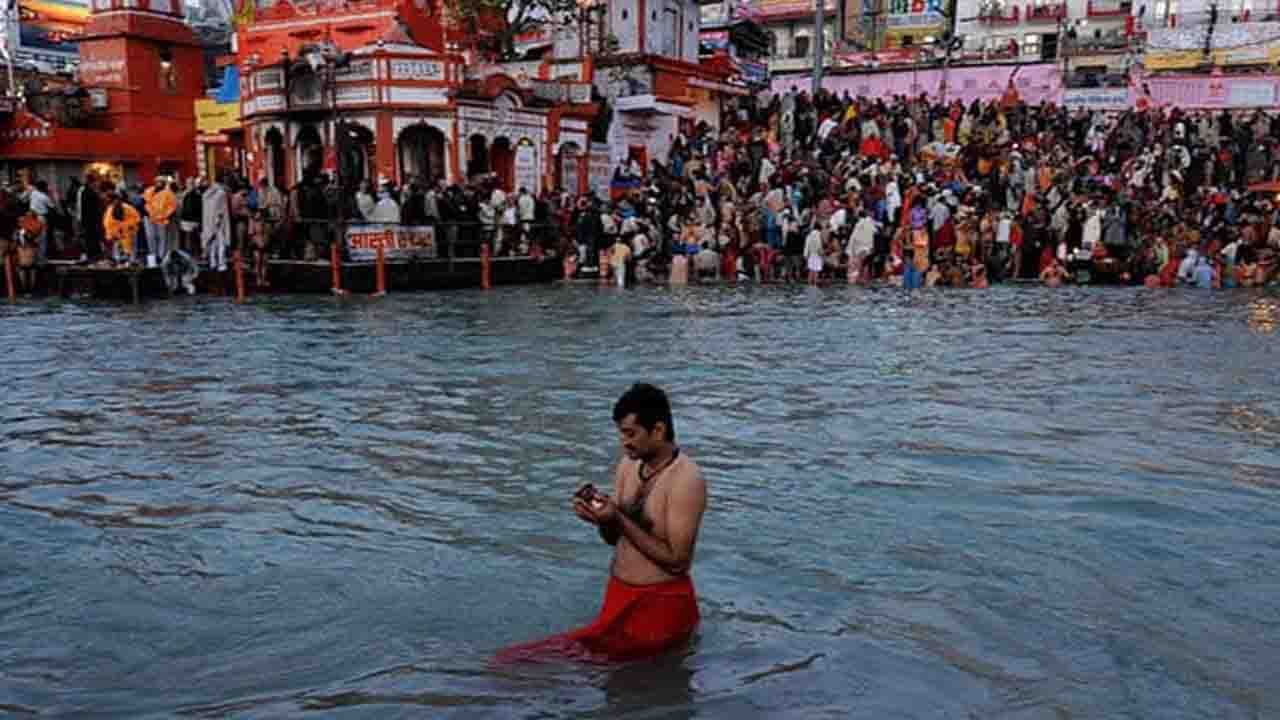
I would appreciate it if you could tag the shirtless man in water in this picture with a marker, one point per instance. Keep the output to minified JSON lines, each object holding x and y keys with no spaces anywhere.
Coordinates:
{"x":1053,"y":275}
{"x":660,"y":495}
{"x":652,"y":517}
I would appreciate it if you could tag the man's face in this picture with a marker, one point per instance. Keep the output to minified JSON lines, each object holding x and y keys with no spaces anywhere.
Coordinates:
{"x":638,"y":443}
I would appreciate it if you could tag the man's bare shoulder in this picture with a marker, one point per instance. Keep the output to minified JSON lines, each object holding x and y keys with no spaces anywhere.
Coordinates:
{"x":688,"y":470}
{"x":625,"y":466}
{"x":623,"y":471}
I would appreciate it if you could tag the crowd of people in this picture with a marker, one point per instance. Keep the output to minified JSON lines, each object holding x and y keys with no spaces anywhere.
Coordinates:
{"x":912,"y":191}
{"x":108,"y":223}
{"x":921,"y":193}
{"x":180,"y":225}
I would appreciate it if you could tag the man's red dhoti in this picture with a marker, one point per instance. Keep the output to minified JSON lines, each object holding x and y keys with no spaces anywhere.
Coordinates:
{"x":636,"y":621}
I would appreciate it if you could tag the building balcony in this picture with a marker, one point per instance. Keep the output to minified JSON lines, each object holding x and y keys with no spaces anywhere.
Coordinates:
{"x":1000,"y":16}
{"x":1109,"y":8}
{"x":1108,"y":44}
{"x":994,"y":57}
{"x":788,"y":64}
{"x":1049,"y":12}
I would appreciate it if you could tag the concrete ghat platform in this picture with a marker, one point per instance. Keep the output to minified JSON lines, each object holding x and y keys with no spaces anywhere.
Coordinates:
{"x":110,"y":283}
{"x":302,"y":276}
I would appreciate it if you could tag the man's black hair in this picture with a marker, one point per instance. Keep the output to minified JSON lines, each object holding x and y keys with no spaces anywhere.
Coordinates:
{"x":650,"y":406}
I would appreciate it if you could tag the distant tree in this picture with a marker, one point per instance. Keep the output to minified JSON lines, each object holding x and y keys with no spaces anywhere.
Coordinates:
{"x":497,"y":24}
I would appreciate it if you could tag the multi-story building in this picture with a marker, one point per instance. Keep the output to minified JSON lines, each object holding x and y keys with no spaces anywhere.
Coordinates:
{"x":789,"y":24}
{"x":653,"y":80}
{"x":730,"y":30}
{"x":1191,"y":35}
{"x":859,"y":34}
{"x":1092,"y":39}
{"x":130,"y":115}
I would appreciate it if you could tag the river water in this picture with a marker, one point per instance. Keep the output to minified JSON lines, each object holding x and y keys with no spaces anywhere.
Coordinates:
{"x":1018,"y":503}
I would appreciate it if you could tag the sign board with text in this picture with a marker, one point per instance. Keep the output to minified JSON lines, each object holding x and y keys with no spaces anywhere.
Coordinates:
{"x":399,"y":242}
{"x":1097,"y":98}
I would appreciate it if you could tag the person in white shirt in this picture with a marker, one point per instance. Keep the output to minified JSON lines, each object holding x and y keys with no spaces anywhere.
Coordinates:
{"x":215,"y":226}
{"x":639,"y":243}
{"x":1092,"y":232}
{"x":813,"y":252}
{"x":862,"y":243}
{"x":1058,"y":223}
{"x":431,"y":206}
{"x":1231,"y":250}
{"x":526,"y":206}
{"x":509,"y":225}
{"x":892,"y":199}
{"x":1004,"y":230}
{"x":870,"y":129}
{"x":826,"y":128}
{"x":707,"y":263}
{"x":39,"y":202}
{"x":767,"y":169}
{"x":387,"y":210}
{"x":488,"y":220}
{"x":839,"y":218}
{"x":1187,"y":268}
{"x":365,"y":201}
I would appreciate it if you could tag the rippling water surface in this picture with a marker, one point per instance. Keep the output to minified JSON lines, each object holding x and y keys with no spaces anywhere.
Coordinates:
{"x":1012,"y":504}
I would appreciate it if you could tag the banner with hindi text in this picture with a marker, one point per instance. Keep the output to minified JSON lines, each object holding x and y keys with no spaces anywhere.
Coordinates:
{"x":399,"y":242}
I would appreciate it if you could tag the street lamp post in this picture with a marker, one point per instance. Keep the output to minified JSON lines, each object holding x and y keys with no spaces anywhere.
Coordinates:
{"x":952,"y":43}
{"x":819,"y":49}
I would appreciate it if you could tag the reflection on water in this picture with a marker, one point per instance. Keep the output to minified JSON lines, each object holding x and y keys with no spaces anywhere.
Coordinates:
{"x":1017,"y":503}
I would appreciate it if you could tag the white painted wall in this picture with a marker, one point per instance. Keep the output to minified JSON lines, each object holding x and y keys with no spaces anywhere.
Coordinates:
{"x":653,"y":25}
{"x":692,"y":20}
{"x":654,"y":132}
{"x":624,"y":24}
{"x":670,"y":27}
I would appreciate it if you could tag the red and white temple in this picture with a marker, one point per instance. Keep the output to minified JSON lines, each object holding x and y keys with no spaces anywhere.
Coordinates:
{"x":416,"y":100}
{"x":409,"y":106}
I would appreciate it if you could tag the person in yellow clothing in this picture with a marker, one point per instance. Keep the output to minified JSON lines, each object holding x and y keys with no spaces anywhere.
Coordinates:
{"x":121,"y":225}
{"x":161,"y":204}
{"x":619,"y":260}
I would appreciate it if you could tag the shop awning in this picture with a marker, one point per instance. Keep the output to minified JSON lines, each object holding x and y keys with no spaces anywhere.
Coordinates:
{"x":717,"y":86}
{"x":650,"y":104}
